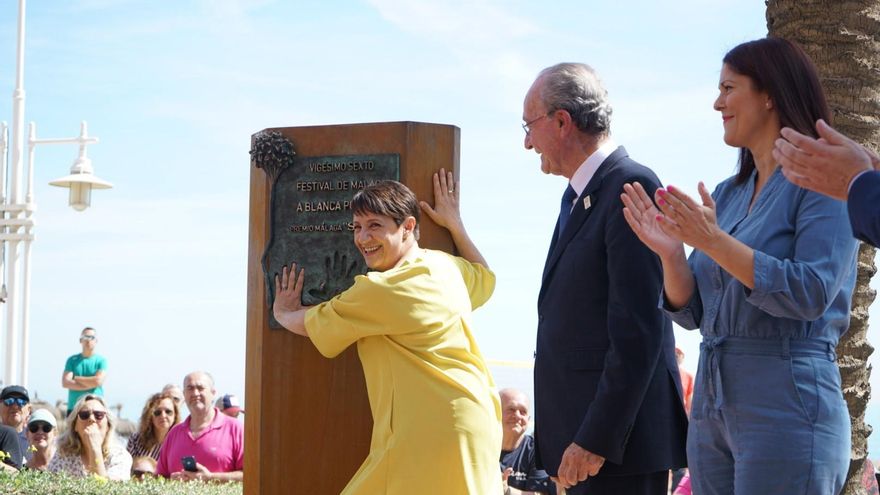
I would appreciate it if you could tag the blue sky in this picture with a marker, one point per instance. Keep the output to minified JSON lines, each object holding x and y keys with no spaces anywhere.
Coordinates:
{"x":174,"y":91}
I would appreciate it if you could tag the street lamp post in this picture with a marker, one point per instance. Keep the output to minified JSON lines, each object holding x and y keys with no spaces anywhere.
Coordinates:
{"x":17,"y":217}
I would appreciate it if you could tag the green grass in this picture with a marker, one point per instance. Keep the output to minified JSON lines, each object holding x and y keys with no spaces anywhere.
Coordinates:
{"x":40,"y":483}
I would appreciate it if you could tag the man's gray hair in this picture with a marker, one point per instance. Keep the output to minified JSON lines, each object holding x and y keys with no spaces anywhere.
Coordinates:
{"x":577,"y":89}
{"x":204,"y":373}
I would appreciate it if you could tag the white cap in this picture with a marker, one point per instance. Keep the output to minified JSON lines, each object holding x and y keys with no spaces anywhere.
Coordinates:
{"x":43,"y":415}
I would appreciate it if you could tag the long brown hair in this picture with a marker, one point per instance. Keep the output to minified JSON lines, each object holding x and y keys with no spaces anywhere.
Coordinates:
{"x":785,"y":72}
{"x":146,"y":430}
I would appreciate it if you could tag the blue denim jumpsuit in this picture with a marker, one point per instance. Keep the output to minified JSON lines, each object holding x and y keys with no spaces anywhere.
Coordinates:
{"x":768,"y":414}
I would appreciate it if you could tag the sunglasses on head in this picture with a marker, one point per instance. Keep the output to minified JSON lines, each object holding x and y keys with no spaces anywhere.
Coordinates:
{"x":85,"y":414}
{"x":159,"y":411}
{"x":15,"y":400}
{"x":37,"y":426}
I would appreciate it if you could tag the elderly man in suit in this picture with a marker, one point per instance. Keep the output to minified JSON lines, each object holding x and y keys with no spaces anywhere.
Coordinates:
{"x":839,"y":167}
{"x":608,"y":408}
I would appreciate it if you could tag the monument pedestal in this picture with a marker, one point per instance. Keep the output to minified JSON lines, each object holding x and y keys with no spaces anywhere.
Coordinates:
{"x":308,"y":422}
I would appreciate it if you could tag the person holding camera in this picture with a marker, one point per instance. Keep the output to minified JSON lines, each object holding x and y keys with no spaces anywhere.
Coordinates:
{"x":208,"y":445}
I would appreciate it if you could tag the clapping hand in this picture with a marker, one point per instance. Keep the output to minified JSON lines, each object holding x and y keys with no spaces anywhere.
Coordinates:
{"x":826,"y":165}
{"x":643,"y":217}
{"x":686,"y":220}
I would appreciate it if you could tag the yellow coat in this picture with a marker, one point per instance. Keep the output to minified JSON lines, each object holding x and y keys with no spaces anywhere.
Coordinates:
{"x":436,"y":414}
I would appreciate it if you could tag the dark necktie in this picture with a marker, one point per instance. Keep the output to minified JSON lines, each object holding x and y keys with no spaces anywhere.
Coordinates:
{"x":565,"y":207}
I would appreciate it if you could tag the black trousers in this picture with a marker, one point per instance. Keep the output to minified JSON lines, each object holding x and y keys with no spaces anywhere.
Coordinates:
{"x":637,"y":484}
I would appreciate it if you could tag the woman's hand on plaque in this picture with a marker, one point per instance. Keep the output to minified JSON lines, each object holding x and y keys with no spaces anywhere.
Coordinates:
{"x":446,"y":212}
{"x":288,"y":291}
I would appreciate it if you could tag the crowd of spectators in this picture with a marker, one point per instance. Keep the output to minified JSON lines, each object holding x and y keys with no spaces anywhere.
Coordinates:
{"x":207,"y":446}
{"x":86,"y":442}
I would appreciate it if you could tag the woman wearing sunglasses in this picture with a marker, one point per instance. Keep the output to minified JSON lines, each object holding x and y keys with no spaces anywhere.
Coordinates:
{"x":159,"y":415}
{"x":41,"y":431}
{"x":89,"y":446}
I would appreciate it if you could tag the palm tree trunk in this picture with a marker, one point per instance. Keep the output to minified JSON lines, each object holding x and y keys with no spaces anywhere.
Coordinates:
{"x":842,"y":39}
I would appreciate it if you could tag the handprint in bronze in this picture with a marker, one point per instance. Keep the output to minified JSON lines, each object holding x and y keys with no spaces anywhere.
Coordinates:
{"x":338,"y":273}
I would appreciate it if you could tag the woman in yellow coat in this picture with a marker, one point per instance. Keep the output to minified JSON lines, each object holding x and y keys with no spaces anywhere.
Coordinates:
{"x":436,"y":414}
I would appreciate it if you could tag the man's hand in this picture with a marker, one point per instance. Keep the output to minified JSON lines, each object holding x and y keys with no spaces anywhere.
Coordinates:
{"x":577,"y":465}
{"x":826,"y":165}
{"x":201,"y":474}
{"x":506,"y":474}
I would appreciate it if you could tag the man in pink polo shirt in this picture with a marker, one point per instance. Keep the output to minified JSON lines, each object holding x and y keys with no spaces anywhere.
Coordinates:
{"x":214,"y":440}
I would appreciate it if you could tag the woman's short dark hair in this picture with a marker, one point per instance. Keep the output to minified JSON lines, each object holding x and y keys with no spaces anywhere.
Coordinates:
{"x":785,"y":72}
{"x":389,"y":198}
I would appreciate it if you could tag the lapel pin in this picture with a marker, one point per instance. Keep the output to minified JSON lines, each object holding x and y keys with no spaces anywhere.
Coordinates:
{"x":587,"y":203}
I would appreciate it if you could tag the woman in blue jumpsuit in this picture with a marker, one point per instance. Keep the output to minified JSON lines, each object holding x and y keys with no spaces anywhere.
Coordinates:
{"x":769,"y":284}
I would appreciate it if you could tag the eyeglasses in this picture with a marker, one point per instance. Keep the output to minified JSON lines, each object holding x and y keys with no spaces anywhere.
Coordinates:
{"x":85,"y":414}
{"x":87,"y":337}
{"x":37,"y":426}
{"x":140,"y":473}
{"x":159,"y":411}
{"x":527,"y":126}
{"x":15,"y":400}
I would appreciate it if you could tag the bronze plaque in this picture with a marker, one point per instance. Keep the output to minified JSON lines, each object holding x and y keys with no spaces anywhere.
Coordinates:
{"x":311,"y":221}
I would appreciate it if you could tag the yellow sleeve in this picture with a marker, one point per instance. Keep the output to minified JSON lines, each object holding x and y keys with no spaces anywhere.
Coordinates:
{"x":374,"y":305}
{"x":479,"y":280}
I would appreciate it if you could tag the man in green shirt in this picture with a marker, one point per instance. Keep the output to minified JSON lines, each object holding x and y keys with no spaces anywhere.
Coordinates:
{"x":84,"y":373}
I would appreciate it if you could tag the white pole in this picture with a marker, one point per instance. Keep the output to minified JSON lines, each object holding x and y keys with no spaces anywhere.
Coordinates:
{"x":15,"y":185}
{"x":32,"y":143}
{"x":25,"y":313}
{"x":4,"y":150}
{"x":11,"y":301}
{"x":26,"y":267}
{"x":4,"y":154}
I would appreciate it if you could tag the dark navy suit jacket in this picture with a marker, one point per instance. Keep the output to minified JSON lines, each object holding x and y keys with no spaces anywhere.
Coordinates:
{"x":863,"y":204}
{"x":606,"y":376}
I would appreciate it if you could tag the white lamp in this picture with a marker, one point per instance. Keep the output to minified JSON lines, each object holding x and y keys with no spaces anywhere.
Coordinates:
{"x":82,"y":178}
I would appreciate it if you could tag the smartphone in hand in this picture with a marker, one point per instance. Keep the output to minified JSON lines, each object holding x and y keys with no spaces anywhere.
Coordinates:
{"x":189,"y":463}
